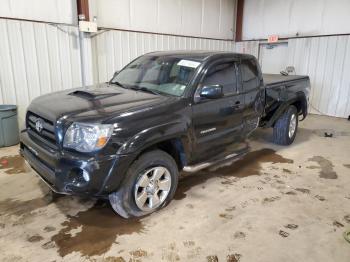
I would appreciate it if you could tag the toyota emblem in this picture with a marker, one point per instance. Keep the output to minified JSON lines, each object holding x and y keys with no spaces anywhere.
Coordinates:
{"x":39,"y":125}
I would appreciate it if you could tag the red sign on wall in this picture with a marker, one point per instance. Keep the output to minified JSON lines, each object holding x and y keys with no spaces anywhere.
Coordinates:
{"x":272,"y":39}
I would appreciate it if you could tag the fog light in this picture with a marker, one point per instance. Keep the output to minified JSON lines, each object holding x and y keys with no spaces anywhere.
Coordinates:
{"x":78,"y":177}
{"x":86,"y":176}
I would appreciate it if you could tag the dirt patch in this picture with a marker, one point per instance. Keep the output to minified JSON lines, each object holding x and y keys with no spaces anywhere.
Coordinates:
{"x":35,"y":238}
{"x":100,"y":227}
{"x":326,"y":166}
{"x":291,"y":226}
{"x":322,"y":133}
{"x":13,"y":165}
{"x":139,"y":253}
{"x":212,"y":259}
{"x":291,"y":193}
{"x":347,"y":165}
{"x":303,"y":190}
{"x":233,"y":258}
{"x":285,"y":170}
{"x":283,"y":233}
{"x":337,"y":224}
{"x":48,"y":245}
{"x":189,"y":243}
{"x":347,"y":218}
{"x":49,"y":229}
{"x":270,"y":199}
{"x":239,"y":234}
{"x":114,"y":259}
{"x":321,"y":198}
{"x":249,"y":165}
{"x":229,"y":209}
{"x":226,"y":216}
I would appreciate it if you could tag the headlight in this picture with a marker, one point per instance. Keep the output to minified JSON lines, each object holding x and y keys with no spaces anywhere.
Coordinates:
{"x":87,"y":137}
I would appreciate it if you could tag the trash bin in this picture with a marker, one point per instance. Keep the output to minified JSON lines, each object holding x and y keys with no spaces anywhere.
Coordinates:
{"x":9,"y":134}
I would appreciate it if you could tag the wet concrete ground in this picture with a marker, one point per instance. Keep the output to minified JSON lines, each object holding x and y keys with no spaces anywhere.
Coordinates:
{"x":275,"y":204}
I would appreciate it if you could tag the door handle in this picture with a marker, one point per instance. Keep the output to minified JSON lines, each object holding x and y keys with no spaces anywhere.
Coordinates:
{"x":236,"y":104}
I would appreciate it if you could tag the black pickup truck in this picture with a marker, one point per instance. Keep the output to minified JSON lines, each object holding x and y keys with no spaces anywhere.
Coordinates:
{"x":128,"y":139}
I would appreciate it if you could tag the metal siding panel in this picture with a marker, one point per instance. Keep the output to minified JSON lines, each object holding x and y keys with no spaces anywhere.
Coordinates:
{"x":43,"y":58}
{"x":312,"y":67}
{"x":327,"y":79}
{"x":8,"y":90}
{"x":31,"y":60}
{"x":74,"y":49}
{"x":64,"y":57}
{"x":54,"y":58}
{"x":343,"y":103}
{"x":110,"y":65}
{"x":319,"y":77}
{"x":18,"y":64}
{"x":335,"y":86}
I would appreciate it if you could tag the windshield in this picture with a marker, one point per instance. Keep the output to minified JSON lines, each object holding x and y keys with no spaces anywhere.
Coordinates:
{"x":167,"y":75}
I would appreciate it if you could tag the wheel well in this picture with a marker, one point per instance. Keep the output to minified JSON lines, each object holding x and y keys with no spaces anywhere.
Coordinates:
{"x":301,"y":105}
{"x":173,"y":147}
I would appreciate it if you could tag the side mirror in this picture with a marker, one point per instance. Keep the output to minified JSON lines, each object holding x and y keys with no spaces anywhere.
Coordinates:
{"x":212,"y":92}
{"x":115,"y":73}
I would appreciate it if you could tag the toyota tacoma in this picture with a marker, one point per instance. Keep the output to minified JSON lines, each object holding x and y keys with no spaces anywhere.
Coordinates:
{"x":127,"y":140}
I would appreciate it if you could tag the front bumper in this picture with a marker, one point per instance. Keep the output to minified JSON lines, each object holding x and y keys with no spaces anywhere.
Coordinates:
{"x":62,"y":171}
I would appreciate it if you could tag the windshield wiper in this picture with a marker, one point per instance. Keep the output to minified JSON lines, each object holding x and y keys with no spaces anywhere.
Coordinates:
{"x":118,"y":84}
{"x":155,"y":92}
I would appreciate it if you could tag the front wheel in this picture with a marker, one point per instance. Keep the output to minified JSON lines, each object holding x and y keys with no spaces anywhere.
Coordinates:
{"x":286,"y":127}
{"x":150,"y":184}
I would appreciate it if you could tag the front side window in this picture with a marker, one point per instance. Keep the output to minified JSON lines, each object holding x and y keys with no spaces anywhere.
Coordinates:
{"x":167,"y":75}
{"x":222,"y":74}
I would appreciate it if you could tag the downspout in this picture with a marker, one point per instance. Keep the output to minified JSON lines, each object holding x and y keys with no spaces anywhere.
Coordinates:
{"x":83,"y":15}
{"x":239,"y":20}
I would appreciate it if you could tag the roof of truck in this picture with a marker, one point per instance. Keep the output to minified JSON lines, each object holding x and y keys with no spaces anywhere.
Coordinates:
{"x":196,"y":55}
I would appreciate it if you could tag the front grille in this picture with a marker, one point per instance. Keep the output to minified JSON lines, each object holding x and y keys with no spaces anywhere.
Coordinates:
{"x":48,"y":129}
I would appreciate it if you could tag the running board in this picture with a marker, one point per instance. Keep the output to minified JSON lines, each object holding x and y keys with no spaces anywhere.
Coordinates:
{"x":200,"y":166}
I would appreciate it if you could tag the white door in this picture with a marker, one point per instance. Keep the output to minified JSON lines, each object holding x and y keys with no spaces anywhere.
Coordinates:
{"x":273,"y":58}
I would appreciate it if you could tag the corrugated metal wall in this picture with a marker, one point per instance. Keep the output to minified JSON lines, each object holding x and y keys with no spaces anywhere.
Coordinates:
{"x":36,"y":58}
{"x":201,"y":18}
{"x":327,"y":61}
{"x":114,"y":49}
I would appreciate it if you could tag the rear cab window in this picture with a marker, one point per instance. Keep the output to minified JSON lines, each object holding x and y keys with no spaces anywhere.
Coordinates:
{"x":249,"y":75}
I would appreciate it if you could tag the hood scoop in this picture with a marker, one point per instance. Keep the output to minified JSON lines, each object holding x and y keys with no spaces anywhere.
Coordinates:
{"x":92,"y":95}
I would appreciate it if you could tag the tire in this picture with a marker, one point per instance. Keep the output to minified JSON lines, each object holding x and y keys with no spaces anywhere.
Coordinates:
{"x":282,"y":128}
{"x":147,"y":166}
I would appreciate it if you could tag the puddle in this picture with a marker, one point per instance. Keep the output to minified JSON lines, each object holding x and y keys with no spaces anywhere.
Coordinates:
{"x":249,"y":165}
{"x":100,"y":228}
{"x":326,"y":166}
{"x":19,"y":208}
{"x":13,"y":165}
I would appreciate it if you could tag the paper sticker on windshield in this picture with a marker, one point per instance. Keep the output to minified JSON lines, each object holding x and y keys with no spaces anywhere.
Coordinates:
{"x":188,"y":63}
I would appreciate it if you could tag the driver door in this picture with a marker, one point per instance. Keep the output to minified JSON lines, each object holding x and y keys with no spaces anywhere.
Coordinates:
{"x":217,"y":123}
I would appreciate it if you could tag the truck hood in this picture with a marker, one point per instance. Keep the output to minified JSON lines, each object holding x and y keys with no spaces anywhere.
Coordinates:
{"x":97,"y":102}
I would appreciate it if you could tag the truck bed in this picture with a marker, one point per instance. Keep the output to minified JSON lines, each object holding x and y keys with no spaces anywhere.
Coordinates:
{"x":278,"y":79}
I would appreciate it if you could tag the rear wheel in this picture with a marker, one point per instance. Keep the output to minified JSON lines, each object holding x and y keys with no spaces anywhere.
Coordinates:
{"x":286,"y":127}
{"x":150,"y":184}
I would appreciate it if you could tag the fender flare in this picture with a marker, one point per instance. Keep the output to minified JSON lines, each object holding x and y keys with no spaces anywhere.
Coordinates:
{"x":300,"y":97}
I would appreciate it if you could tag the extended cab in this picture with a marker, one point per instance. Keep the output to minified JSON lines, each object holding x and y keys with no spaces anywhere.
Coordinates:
{"x":128,"y":139}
